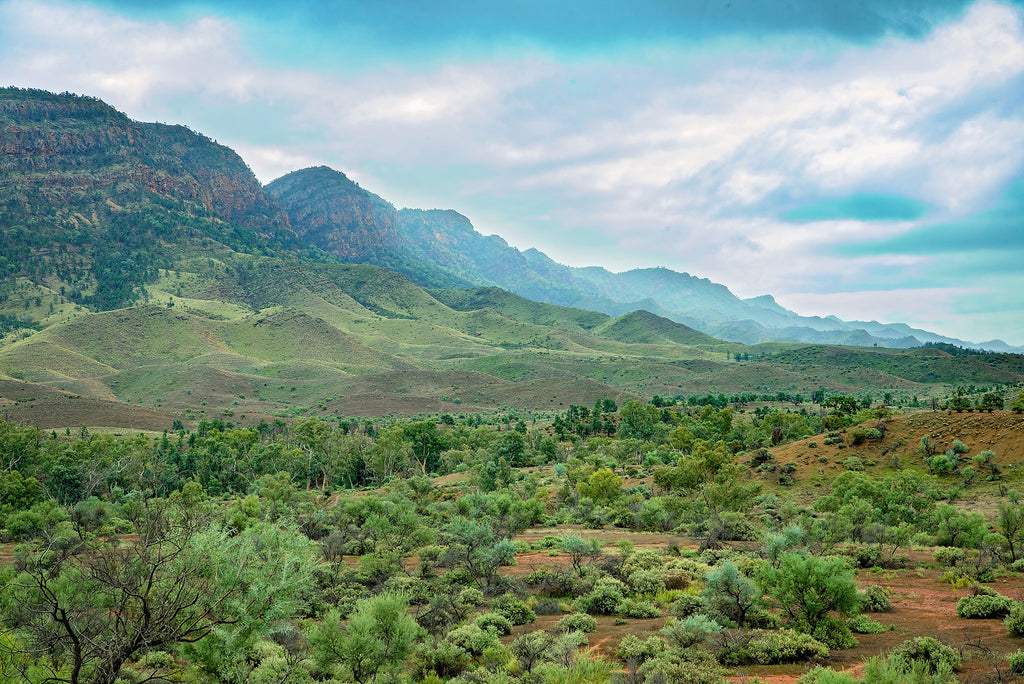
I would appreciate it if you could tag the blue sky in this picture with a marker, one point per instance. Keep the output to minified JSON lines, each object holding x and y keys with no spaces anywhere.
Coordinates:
{"x":862,"y":158}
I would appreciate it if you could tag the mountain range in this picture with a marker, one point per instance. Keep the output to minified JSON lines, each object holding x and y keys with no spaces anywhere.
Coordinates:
{"x":440,"y":248}
{"x":146,"y":274}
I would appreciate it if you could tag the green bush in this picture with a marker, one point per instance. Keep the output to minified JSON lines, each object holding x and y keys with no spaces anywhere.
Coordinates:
{"x":933,"y":653}
{"x":692,"y":666}
{"x":514,"y":610}
{"x":949,"y":556}
{"x":833,"y":632}
{"x":1016,"y":662}
{"x":1015,"y":620}
{"x":641,"y":560}
{"x":603,"y":600}
{"x":686,"y":605}
{"x":577,"y":622}
{"x":767,"y":647}
{"x":638,"y":609}
{"x":494,"y":623}
{"x":826,"y":675}
{"x":853,"y":463}
{"x":875,"y":599}
{"x":689,"y":631}
{"x":473,"y":639}
{"x":647,"y":582}
{"x":983,"y":606}
{"x":864,"y":624}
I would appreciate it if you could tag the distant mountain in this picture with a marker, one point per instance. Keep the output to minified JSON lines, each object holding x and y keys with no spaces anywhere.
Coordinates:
{"x":440,"y":248}
{"x":146,"y":275}
{"x":95,"y":205}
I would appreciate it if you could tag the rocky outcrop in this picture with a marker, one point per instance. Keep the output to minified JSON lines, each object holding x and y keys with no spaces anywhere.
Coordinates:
{"x":332,"y":212}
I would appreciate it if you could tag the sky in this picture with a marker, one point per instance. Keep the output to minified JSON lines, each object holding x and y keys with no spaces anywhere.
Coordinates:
{"x":862,"y":158}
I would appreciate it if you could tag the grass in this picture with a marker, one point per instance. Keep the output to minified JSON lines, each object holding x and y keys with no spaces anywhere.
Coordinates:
{"x":259,"y":326}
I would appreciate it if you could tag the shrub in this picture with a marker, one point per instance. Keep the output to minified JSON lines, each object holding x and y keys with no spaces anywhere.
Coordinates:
{"x":949,"y":556}
{"x":864,"y":624}
{"x":875,"y":599}
{"x":936,"y":655}
{"x":577,"y":622}
{"x":773,"y":647}
{"x":641,"y":560}
{"x":494,"y":623}
{"x":1016,"y":662}
{"x":686,"y":605}
{"x":514,"y":610}
{"x":689,"y":631}
{"x":647,"y":582}
{"x":853,"y":463}
{"x":983,"y":606}
{"x":1015,"y":620}
{"x":693,"y":666}
{"x":603,"y":600}
{"x":632,"y":650}
{"x":473,"y":640}
{"x":471,"y":596}
{"x":731,"y":594}
{"x":834,"y":633}
{"x":676,"y":578}
{"x":808,"y":588}
{"x":638,"y":609}
{"x":826,"y":675}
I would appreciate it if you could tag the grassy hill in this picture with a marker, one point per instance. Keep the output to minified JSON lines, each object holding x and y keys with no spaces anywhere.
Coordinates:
{"x":247,"y":337}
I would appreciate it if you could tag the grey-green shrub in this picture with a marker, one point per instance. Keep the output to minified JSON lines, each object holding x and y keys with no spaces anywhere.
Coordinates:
{"x":493,"y":622}
{"x":690,"y":630}
{"x":864,"y":624}
{"x":983,"y":606}
{"x":605,"y":599}
{"x":577,"y":622}
{"x":769,"y":647}
{"x":514,"y":610}
{"x":875,"y":599}
{"x":1015,"y":620}
{"x":638,"y":609}
{"x":930,"y":651}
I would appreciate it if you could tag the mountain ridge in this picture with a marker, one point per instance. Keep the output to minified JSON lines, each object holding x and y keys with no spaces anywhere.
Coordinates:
{"x":447,"y":242}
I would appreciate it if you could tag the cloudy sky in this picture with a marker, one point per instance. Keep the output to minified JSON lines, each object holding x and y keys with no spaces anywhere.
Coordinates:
{"x":863,"y":158}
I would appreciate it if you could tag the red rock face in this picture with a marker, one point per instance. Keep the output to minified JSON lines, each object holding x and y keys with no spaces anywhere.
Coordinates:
{"x":63,"y":147}
{"x":333,"y":213}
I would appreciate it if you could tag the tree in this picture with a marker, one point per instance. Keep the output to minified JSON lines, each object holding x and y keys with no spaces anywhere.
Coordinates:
{"x":91,"y":610}
{"x":389,"y":455}
{"x":640,"y":420}
{"x":807,"y":588}
{"x":731,"y":594}
{"x":1011,"y":524}
{"x":377,"y":638}
{"x":579,"y":550}
{"x":603,"y":485}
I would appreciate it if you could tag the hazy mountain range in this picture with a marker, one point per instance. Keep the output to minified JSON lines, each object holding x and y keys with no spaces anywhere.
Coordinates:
{"x":440,"y":248}
{"x":74,"y":170}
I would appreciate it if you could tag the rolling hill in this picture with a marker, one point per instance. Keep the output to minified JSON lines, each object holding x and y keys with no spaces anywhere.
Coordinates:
{"x":147,"y":277}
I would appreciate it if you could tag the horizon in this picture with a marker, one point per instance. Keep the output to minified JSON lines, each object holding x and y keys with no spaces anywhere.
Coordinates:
{"x":866,"y":163}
